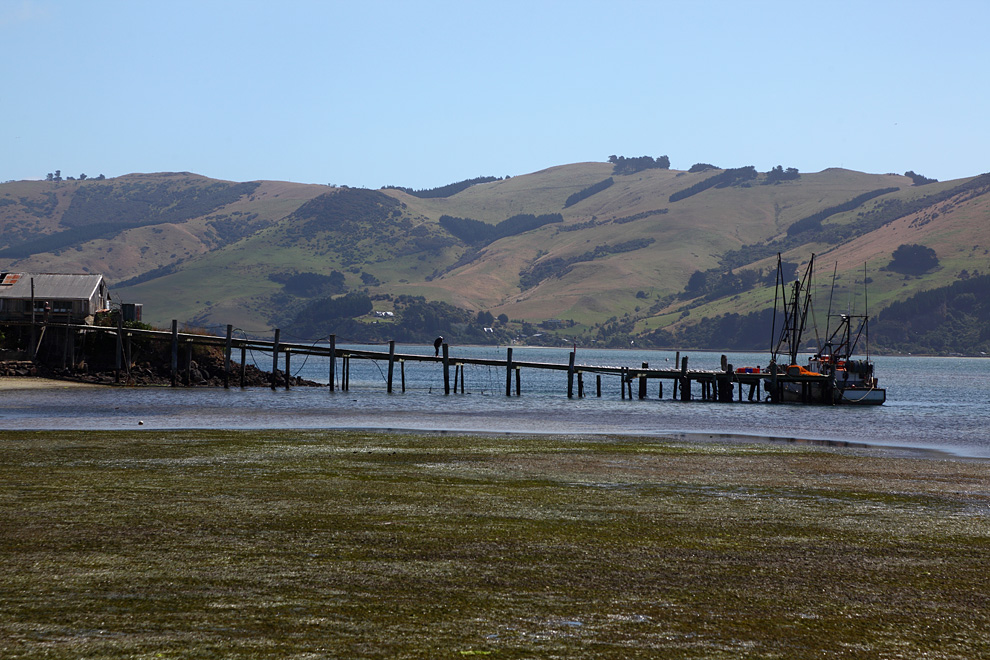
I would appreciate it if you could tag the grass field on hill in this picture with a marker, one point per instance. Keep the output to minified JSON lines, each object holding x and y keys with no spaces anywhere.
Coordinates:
{"x":256,"y":544}
{"x":214,"y":268}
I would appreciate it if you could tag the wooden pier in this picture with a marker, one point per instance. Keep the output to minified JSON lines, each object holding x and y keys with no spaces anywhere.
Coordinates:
{"x":724,"y":385}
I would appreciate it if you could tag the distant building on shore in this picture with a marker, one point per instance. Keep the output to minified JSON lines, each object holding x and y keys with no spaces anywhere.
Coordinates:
{"x":56,"y":297}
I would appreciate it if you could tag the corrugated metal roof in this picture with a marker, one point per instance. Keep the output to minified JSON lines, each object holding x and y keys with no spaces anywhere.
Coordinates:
{"x":57,"y":286}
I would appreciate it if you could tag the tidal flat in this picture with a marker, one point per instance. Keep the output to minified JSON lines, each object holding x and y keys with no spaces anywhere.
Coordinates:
{"x":350,"y":544}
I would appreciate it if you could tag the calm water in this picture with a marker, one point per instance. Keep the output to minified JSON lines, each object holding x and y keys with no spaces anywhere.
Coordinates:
{"x":932,"y":403}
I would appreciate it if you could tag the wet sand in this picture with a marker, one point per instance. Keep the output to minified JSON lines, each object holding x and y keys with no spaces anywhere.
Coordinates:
{"x":9,"y":383}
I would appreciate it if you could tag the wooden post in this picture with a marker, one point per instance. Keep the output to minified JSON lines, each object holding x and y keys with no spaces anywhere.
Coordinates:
{"x":187,"y":377}
{"x":622,"y":383}
{"x":642,"y":382}
{"x":346,"y":376}
{"x":677,"y":361}
{"x":175,"y":353}
{"x":508,"y":372}
{"x":65,"y":349}
{"x":228,"y":345}
{"x":34,"y":330}
{"x":243,"y":363}
{"x":120,"y":347}
{"x":288,"y":367}
{"x":127,"y":355}
{"x":660,"y":395}
{"x":518,"y":381}
{"x":446,"y":369}
{"x":462,"y":378}
{"x":391,"y":363}
{"x":685,"y":382}
{"x":333,"y":360}
{"x":402,"y":374}
{"x":570,"y":375}
{"x":275,"y":358}
{"x":457,"y":372}
{"x":580,"y":377}
{"x":598,"y":386}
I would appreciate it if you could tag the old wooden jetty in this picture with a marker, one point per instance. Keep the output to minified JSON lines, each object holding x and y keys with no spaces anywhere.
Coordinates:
{"x":726,"y":384}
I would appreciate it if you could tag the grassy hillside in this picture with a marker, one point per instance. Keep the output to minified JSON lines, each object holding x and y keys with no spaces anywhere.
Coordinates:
{"x":619,"y":261}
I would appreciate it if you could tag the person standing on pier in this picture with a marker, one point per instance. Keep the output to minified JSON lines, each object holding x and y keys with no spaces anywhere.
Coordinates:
{"x":437,"y":343}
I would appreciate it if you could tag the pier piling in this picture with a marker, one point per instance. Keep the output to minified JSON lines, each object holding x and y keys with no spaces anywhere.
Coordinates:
{"x":570,"y":374}
{"x":275,"y":358}
{"x":333,"y":360}
{"x":446,"y":369}
{"x":175,"y":353}
{"x":391,"y":363}
{"x":228,"y":344}
{"x":288,"y":367}
{"x":508,"y":372}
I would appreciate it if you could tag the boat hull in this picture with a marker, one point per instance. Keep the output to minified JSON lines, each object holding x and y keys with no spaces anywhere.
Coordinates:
{"x":816,"y":393}
{"x":873,"y":396}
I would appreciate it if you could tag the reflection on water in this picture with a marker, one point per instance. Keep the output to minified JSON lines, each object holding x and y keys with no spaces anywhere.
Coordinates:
{"x":936,"y":403}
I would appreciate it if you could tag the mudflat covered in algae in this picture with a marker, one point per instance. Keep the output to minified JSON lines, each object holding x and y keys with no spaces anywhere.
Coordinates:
{"x":314,"y":544}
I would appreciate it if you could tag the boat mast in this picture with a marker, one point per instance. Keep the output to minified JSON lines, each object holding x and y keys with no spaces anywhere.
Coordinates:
{"x":866,"y":311}
{"x":795,"y":311}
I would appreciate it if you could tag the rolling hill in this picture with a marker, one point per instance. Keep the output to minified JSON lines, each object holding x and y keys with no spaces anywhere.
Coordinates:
{"x":605,"y":253}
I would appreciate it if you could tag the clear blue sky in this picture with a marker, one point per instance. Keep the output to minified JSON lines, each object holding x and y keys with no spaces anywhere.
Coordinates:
{"x":423,"y":93}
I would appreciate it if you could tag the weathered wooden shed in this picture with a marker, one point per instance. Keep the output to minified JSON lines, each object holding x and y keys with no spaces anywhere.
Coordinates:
{"x":57,"y":297}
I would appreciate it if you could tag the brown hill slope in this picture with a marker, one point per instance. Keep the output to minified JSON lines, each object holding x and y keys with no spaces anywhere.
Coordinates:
{"x":198,"y":249}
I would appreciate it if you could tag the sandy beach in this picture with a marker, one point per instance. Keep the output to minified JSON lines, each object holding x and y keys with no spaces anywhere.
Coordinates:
{"x":9,"y":383}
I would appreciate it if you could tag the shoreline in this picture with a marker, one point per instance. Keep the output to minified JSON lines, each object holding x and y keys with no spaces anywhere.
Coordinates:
{"x":401,"y":426}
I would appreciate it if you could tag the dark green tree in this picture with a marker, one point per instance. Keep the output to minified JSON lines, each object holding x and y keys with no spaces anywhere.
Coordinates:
{"x":913,"y":259}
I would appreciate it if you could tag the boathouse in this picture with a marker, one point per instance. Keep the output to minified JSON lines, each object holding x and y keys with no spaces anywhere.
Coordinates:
{"x":56,"y":297}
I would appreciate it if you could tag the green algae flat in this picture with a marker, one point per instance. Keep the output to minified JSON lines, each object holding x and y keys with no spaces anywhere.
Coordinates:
{"x":337,"y":544}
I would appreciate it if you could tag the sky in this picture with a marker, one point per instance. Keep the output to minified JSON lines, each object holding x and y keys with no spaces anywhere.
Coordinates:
{"x":424,"y":93}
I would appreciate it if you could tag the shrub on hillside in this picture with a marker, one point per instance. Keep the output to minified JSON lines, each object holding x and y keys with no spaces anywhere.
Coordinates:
{"x":913,"y":259}
{"x":588,"y":192}
{"x":919,"y":180}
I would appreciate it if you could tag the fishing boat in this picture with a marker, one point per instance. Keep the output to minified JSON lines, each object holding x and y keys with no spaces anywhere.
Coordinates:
{"x":833,"y":375}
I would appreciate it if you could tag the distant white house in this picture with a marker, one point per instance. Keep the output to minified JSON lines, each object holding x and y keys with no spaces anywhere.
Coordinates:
{"x":58,"y":297}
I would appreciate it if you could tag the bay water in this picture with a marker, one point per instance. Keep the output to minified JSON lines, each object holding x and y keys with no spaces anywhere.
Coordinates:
{"x":940,"y":404}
